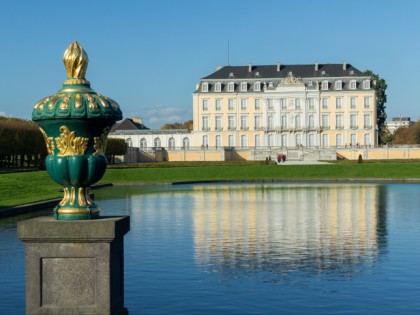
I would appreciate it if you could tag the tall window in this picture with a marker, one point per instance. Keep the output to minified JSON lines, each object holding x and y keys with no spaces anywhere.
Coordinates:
{"x":325,"y":102}
{"x":339,"y":121}
{"x":324,"y":85}
{"x":353,"y":84}
{"x":284,"y":121}
{"x":244,"y":122}
{"x":311,"y":121}
{"x":366,"y":101}
{"x":325,"y":121}
{"x":218,"y":141}
{"x":366,"y":139}
{"x":143,"y":143}
{"x":231,"y":122}
{"x":243,"y":104}
{"x":257,"y":141}
{"x":205,"y":141}
{"x":353,"y":139}
{"x":367,"y":121}
{"x":257,"y":86}
{"x":257,"y":104}
{"x":205,"y":87}
{"x":284,"y":140}
{"x":171,"y":143}
{"x":324,"y":140}
{"x":271,"y":140}
{"x":311,"y":140}
{"x":231,"y":104}
{"x":257,"y":122}
{"x":338,"y":140}
{"x":205,"y":104}
{"x":156,"y":142}
{"x":353,"y":121}
{"x":270,"y":104}
{"x":298,"y":140}
{"x":186,"y":143}
{"x":231,"y":142}
{"x":338,"y":102}
{"x":311,"y":101}
{"x":244,"y":141}
{"x":218,"y":122}
{"x":353,"y":102}
{"x":283,"y":103}
{"x":218,"y":87}
{"x":297,"y":122}
{"x":218,"y":104}
{"x":297,"y":103}
{"x":270,"y":122}
{"x":205,"y":123}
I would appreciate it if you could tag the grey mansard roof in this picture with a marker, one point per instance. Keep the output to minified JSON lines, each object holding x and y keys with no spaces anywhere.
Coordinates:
{"x":270,"y":72}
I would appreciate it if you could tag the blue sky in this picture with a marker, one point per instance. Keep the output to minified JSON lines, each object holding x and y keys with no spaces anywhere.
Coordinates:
{"x":148,"y":55}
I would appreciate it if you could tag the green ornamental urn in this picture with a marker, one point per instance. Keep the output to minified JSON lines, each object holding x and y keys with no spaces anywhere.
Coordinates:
{"x":75,"y":123}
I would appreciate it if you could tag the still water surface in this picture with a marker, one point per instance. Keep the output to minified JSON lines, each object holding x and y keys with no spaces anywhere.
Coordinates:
{"x":256,"y":249}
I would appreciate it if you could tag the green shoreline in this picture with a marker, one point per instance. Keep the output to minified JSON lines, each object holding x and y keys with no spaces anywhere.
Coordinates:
{"x":29,"y":187}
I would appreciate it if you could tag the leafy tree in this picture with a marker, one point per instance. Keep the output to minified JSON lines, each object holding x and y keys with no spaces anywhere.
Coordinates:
{"x":380,"y":87}
{"x":407,"y":135}
{"x":115,"y":147}
{"x":186,"y":125}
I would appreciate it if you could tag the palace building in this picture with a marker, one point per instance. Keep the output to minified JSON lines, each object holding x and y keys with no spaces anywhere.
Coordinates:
{"x":312,"y":105}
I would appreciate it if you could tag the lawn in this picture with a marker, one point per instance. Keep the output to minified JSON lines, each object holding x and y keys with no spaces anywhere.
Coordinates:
{"x":26,"y":187}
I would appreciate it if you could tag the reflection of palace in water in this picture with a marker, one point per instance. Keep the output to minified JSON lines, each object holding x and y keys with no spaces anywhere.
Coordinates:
{"x":311,"y":228}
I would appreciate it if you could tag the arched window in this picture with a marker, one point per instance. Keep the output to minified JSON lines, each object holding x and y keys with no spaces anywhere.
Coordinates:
{"x":171,"y":143}
{"x":297,"y":121}
{"x":129,"y":142}
{"x":186,"y":143}
{"x":271,"y":140}
{"x":284,"y":140}
{"x":156,"y":142}
{"x":205,"y":141}
{"x":143,"y":143}
{"x":298,"y":140}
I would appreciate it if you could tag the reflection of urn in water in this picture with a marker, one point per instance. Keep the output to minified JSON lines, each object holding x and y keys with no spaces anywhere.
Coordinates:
{"x":75,"y":123}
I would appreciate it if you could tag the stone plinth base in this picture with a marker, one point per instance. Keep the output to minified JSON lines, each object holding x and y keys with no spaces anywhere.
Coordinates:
{"x":74,"y":267}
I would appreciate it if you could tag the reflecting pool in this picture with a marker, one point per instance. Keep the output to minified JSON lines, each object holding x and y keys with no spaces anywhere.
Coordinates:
{"x":256,"y":249}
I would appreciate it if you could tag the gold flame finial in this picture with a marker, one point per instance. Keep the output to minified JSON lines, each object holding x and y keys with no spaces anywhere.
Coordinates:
{"x":76,"y":61}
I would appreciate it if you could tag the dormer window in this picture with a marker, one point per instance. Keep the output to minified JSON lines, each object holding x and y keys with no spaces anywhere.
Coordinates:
{"x":231,"y":75}
{"x":257,"y":86}
{"x":244,"y":87}
{"x":270,"y":85}
{"x":218,"y":87}
{"x":353,"y":84}
{"x":205,"y":87}
{"x":310,"y":84}
{"x":231,"y":87}
{"x":338,"y":85}
{"x":324,"y":85}
{"x":366,"y":84}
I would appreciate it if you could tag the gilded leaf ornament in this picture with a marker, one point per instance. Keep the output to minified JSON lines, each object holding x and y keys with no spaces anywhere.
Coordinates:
{"x":69,"y":144}
{"x":100,"y":142}
{"x":49,"y":142}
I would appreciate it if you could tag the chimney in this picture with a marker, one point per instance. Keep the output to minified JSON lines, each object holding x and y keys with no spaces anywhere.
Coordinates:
{"x":278,"y":67}
{"x":218,"y":68}
{"x":344,"y":65}
{"x":250,"y":67}
{"x":316,"y":66}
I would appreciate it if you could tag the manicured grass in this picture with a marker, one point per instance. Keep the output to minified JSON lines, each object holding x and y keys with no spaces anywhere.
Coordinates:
{"x":26,"y":187}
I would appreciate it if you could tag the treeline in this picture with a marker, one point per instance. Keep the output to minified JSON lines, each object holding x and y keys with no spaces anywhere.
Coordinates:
{"x":407,"y":135}
{"x":186,"y":125}
{"x":21,"y":144}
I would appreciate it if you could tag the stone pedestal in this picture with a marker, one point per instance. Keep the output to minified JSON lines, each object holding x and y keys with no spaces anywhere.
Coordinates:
{"x":74,"y":267}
